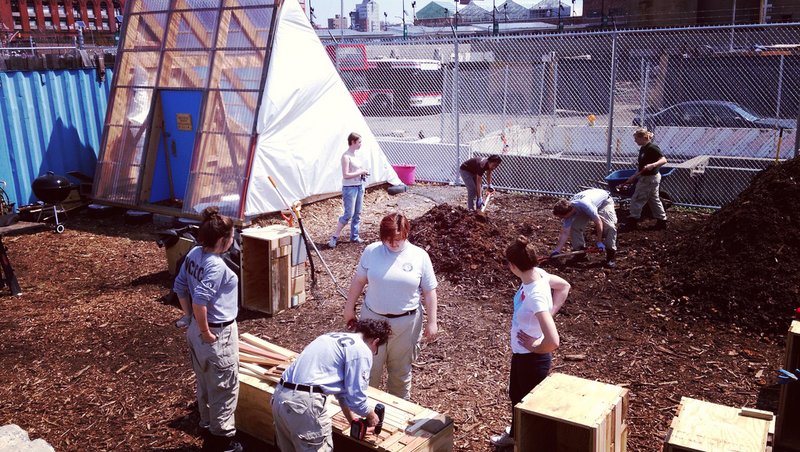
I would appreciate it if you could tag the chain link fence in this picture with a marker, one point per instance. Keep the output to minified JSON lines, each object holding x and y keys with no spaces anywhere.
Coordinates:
{"x":561,"y":109}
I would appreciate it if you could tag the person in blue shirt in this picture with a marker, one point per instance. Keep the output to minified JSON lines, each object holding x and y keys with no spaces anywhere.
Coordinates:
{"x":334,"y":364}
{"x":211,"y":289}
{"x":589,"y":206}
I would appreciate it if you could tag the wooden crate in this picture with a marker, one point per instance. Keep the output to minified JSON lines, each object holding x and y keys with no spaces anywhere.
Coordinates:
{"x":407,"y":427}
{"x":273,"y":264}
{"x":177,"y":251}
{"x":704,"y":426}
{"x":566,"y":413}
{"x":787,"y":432}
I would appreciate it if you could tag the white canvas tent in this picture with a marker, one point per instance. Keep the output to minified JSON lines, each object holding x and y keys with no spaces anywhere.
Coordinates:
{"x":210,"y":97}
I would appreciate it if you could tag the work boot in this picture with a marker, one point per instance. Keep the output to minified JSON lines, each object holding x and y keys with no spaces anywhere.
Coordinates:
{"x":660,"y":225}
{"x":610,"y":262}
{"x":631,"y":224}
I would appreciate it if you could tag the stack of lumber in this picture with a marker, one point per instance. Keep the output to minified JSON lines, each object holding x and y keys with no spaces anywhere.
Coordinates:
{"x":407,"y":427}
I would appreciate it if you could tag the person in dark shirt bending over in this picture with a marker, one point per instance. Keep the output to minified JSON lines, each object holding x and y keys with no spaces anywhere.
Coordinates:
{"x":472,"y":172}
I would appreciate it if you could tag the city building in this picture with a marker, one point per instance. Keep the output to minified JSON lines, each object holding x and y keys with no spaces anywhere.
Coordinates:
{"x":337,"y":22}
{"x":58,"y":21}
{"x":366,"y":17}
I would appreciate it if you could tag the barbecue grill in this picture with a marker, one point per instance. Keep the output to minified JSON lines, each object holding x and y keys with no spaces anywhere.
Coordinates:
{"x":52,"y":189}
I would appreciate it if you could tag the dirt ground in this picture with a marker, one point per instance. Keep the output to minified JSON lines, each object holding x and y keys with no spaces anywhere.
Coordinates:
{"x":91,"y":360}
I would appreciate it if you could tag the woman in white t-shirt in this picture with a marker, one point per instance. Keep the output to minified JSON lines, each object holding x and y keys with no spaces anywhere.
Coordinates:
{"x":354,"y":176}
{"x":533,"y":331}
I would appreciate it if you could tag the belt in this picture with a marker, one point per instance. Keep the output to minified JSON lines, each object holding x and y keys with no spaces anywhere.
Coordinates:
{"x":220,"y":325}
{"x":394,"y":316}
{"x":305,"y":388}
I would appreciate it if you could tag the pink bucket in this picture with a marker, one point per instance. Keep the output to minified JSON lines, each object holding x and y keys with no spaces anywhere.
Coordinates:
{"x":405,"y":173}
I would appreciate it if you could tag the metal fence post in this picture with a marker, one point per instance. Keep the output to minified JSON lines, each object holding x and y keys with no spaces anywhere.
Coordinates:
{"x":505,"y":95}
{"x":644,"y":71}
{"x":611,"y":101}
{"x":456,"y":108}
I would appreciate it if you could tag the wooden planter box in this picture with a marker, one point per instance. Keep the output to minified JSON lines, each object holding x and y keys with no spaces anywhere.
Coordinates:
{"x":787,"y":432}
{"x":705,"y":426}
{"x":273,"y":269}
{"x":566,"y":413}
{"x":407,"y":427}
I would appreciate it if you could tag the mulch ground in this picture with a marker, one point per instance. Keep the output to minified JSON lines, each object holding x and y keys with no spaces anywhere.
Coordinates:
{"x":91,"y":360}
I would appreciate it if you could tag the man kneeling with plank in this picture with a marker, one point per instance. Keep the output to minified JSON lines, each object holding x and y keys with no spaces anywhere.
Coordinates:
{"x":336,"y":364}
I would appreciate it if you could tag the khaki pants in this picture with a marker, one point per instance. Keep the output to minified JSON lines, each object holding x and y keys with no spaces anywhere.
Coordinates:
{"x":646,"y":192}
{"x":301,"y":423}
{"x":609,"y":218}
{"x":216,"y":368}
{"x":397,"y":354}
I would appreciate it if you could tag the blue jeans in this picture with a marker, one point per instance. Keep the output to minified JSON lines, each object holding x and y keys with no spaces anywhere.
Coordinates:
{"x":353,"y":199}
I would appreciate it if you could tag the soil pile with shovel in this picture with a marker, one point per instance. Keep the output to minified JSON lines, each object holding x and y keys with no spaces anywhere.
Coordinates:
{"x":466,"y":247}
{"x":740,"y":266}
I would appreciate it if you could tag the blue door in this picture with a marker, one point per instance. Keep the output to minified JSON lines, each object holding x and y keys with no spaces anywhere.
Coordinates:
{"x":181,"y":110}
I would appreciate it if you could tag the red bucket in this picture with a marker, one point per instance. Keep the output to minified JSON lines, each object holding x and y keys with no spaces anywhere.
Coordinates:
{"x":405,"y":173}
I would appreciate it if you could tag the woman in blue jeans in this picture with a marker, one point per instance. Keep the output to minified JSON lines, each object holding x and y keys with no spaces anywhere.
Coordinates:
{"x":354,"y":175}
{"x":533,"y":332}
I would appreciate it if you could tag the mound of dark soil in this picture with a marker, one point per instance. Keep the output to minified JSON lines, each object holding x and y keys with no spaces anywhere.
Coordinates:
{"x":740,"y":265}
{"x":465,"y":247}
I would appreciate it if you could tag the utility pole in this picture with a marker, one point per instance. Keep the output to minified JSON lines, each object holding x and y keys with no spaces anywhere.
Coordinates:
{"x":495,"y":25}
{"x":405,"y":30}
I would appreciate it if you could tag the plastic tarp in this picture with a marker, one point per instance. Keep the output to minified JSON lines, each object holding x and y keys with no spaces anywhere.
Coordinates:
{"x":303,"y":123}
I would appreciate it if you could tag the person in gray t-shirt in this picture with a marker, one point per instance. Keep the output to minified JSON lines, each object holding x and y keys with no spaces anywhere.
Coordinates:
{"x":589,"y":206}
{"x":211,"y":289}
{"x":400,"y":277}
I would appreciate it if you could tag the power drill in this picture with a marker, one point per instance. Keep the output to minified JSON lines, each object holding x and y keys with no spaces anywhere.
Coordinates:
{"x":358,"y":428}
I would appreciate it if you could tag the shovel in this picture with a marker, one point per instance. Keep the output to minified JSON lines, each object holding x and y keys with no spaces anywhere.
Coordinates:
{"x":482,"y":212}
{"x":556,"y":258}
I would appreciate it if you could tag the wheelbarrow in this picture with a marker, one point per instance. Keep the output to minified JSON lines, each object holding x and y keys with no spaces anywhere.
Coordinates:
{"x":622,"y":192}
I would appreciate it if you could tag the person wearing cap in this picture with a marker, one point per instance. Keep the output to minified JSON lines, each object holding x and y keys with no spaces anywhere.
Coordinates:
{"x":472,"y":172}
{"x":589,"y":206}
{"x":334,"y":364}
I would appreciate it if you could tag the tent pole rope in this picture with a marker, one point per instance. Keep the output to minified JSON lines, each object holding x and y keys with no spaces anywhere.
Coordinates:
{"x":308,"y":239}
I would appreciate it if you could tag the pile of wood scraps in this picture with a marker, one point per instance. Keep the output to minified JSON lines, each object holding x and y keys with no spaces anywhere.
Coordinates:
{"x":260,"y":359}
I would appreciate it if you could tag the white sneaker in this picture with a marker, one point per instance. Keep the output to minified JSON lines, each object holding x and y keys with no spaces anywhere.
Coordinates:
{"x":184,"y":321}
{"x":332,"y":242}
{"x":504,"y":440}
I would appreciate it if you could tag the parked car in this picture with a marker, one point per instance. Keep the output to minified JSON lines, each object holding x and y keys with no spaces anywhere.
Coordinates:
{"x":711,"y":113}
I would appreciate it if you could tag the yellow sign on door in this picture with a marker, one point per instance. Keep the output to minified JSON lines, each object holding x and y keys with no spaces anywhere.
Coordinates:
{"x":184,"y":121}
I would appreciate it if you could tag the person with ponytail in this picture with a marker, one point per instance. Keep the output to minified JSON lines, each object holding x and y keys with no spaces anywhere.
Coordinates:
{"x":211,"y":289}
{"x":533,"y":332}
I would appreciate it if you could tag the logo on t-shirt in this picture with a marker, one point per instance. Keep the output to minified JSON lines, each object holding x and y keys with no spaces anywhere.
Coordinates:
{"x":407,"y":267}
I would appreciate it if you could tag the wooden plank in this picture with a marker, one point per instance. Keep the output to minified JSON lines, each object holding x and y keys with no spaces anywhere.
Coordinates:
{"x":261,"y":343}
{"x":787,"y":435}
{"x":708,"y":426}
{"x":253,"y":359}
